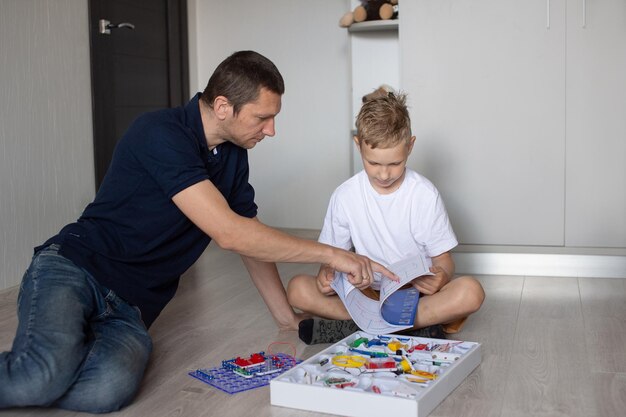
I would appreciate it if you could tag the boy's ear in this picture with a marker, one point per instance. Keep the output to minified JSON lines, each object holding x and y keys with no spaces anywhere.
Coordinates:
{"x":222,"y":107}
{"x":411,"y":143}
{"x":357,"y":141}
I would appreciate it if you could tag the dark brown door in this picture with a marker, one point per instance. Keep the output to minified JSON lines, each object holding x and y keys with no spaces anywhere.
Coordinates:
{"x":138,"y":63}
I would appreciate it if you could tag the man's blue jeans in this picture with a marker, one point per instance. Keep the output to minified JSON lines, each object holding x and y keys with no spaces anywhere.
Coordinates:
{"x":78,"y":345}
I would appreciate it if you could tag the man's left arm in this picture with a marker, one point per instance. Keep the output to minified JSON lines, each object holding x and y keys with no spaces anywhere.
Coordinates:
{"x":265,"y":277}
{"x":443,"y":268}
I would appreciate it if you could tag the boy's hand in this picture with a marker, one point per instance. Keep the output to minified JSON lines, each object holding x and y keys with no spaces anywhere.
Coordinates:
{"x":430,"y":284}
{"x":324,"y":278}
{"x":364,"y":283}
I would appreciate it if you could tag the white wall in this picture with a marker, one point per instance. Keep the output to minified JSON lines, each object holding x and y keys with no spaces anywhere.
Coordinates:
{"x":295,"y":172}
{"x":46,"y":150}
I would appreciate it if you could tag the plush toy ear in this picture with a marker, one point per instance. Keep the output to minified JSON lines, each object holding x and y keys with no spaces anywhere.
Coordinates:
{"x":359,"y":14}
{"x":388,"y":11}
{"x":346,"y":20}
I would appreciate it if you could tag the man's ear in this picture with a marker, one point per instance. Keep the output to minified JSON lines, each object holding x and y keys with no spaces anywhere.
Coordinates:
{"x":222,"y":107}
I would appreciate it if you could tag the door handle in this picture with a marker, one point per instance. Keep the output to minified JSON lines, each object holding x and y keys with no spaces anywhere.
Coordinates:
{"x":105,"y":26}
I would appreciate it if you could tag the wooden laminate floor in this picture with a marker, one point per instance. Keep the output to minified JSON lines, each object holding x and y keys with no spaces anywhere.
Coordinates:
{"x":550,"y":347}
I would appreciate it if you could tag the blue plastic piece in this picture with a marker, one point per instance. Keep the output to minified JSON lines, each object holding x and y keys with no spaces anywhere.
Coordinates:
{"x":225,"y":379}
{"x":375,"y":342}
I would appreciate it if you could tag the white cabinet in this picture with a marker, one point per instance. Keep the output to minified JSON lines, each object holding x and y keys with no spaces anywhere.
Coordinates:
{"x":486,"y":87}
{"x":596,"y":124}
{"x":511,"y":134}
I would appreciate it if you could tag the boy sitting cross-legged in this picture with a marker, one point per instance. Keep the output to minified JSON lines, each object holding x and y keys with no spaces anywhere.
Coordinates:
{"x":388,"y":213}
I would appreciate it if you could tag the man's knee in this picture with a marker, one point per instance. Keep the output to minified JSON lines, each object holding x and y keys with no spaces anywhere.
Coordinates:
{"x":109,"y":399}
{"x":106,"y":393}
{"x":32,"y":389}
{"x":111,"y":396}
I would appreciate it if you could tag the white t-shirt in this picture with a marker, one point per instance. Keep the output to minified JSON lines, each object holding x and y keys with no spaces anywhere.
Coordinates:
{"x":388,"y":228}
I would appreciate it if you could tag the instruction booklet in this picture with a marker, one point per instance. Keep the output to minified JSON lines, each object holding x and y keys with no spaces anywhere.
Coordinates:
{"x":396,"y":307}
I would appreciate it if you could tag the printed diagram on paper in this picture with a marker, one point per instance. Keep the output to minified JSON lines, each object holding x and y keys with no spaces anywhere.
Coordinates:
{"x":396,"y":308}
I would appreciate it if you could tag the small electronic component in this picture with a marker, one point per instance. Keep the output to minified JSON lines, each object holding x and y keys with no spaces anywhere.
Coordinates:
{"x":339,"y":382}
{"x":375,"y":342}
{"x":349,"y":361}
{"x":370,"y":353}
{"x":256,"y":364}
{"x":380,"y":364}
{"x":396,"y":345}
{"x":358,"y":342}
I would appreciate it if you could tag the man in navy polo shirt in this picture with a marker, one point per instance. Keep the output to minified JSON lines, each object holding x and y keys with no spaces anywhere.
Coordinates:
{"x":177,"y":180}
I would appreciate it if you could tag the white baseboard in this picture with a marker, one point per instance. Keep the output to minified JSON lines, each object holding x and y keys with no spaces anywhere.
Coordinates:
{"x":526,"y":264}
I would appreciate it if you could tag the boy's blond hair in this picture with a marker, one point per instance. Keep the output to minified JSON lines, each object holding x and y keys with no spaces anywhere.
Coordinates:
{"x":384,"y":121}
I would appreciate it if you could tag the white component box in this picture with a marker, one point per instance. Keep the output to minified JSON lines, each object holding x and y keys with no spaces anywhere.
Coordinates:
{"x":370,"y":375}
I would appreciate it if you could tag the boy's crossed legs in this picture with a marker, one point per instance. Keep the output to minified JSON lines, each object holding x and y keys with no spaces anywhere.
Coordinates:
{"x":449,"y":307}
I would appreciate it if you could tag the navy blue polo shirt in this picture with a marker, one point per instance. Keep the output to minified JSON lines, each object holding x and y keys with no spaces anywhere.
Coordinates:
{"x":132,"y":238}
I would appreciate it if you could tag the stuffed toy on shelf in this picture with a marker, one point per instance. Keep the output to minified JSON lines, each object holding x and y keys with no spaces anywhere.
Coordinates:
{"x":370,"y":10}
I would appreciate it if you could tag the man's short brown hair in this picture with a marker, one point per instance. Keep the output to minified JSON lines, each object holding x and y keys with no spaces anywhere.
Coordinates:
{"x":240,"y":78}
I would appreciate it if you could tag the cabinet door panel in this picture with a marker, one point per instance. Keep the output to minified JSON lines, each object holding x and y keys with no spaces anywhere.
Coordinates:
{"x":486,"y":84}
{"x":596,"y":124}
